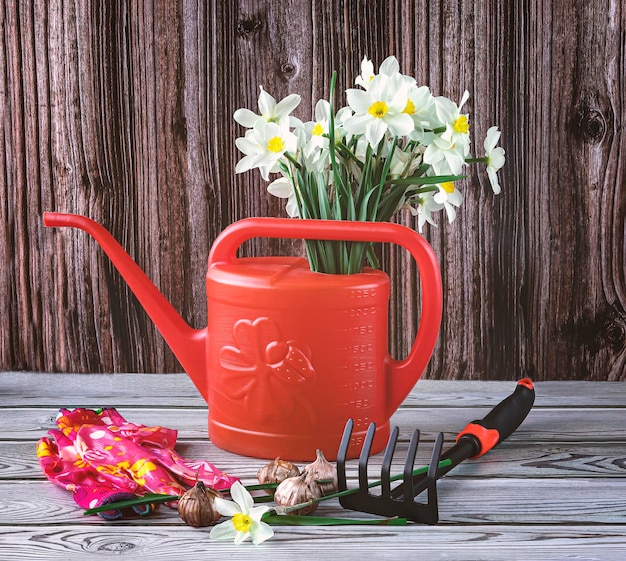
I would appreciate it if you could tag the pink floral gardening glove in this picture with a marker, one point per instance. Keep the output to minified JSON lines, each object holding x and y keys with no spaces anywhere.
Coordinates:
{"x":102,"y":458}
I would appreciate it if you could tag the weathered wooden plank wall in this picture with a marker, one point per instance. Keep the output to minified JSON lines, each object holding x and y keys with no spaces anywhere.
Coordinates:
{"x":122,"y":111}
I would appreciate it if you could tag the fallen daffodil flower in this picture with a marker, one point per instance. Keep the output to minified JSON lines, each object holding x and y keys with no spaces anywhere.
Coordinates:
{"x":245,"y":521}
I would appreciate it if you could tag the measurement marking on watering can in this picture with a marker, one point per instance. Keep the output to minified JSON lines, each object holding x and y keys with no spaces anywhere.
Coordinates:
{"x":358,"y":403}
{"x":363,"y":366}
{"x":356,"y":385}
{"x":362,"y":312}
{"x":360,"y":349}
{"x":361,"y":422}
{"x":360,"y":329}
{"x":363,"y":293}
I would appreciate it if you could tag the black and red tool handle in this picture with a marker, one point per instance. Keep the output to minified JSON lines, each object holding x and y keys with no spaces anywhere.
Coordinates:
{"x":502,"y":421}
{"x":478,"y":437}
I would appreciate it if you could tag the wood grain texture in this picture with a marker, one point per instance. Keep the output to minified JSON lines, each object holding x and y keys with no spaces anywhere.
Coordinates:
{"x":122,"y":111}
{"x":554,"y":490}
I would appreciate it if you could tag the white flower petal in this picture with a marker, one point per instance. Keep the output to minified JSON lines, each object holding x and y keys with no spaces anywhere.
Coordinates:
{"x":266,"y":103}
{"x":464,"y":98}
{"x":359,"y":101}
{"x":374,"y":131}
{"x":292,"y":207}
{"x":242,"y":497}
{"x":246,"y":117}
{"x":241,"y":537}
{"x":223,"y":531}
{"x":261,"y":532}
{"x":226,"y":508}
{"x":493,"y":179}
{"x":281,"y":188}
{"x":257,"y":512}
{"x":493,"y":135}
{"x":247,"y":146}
{"x":389,"y":66}
{"x":400,"y":125}
{"x":287,"y":105}
{"x":249,"y":162}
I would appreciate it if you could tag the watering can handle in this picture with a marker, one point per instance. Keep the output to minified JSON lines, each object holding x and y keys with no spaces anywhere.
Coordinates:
{"x":405,"y":373}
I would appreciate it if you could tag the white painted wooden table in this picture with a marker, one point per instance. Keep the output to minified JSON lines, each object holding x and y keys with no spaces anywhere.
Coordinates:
{"x":555,"y":490}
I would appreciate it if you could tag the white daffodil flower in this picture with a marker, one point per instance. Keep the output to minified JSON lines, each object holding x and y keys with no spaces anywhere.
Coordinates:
{"x":264,"y":145}
{"x":245,"y":519}
{"x":449,"y":197}
{"x":367,"y":73}
{"x":316,"y":147}
{"x":283,"y":189}
{"x":495,"y":157}
{"x":379,"y":109}
{"x":450,"y":116}
{"x":421,"y":108}
{"x":445,"y":158}
{"x":271,"y":112}
{"x":391,"y":134}
{"x":423,"y":206}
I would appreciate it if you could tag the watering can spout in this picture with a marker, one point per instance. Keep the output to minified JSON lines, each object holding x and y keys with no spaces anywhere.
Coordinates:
{"x":187,"y":343}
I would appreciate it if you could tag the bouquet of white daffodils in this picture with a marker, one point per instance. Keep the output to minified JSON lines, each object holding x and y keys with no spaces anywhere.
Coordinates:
{"x":394,"y":146}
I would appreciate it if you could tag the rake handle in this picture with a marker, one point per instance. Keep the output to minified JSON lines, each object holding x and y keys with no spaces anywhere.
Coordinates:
{"x":502,"y":421}
{"x":480,"y":436}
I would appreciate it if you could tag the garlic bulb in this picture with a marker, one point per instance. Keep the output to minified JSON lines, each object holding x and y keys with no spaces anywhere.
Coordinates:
{"x":296,"y":490}
{"x":196,"y":507}
{"x":322,"y":473}
{"x":277,"y":471}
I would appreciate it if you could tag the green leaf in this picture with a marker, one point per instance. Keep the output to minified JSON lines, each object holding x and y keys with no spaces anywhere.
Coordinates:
{"x":425,"y":180}
{"x":295,"y":520}
{"x":148,"y":498}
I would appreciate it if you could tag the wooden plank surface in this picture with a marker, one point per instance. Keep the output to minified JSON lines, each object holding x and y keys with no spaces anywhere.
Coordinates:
{"x":123,"y":111}
{"x":556,"y":489}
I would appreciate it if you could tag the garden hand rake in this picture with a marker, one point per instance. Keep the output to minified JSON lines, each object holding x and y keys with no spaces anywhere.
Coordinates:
{"x":473,"y":441}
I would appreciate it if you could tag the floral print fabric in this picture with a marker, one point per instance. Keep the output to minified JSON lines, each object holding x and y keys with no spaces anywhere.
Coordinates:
{"x":102,"y":458}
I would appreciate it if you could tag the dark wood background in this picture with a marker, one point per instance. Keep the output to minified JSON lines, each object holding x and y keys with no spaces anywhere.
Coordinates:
{"x":122,"y":111}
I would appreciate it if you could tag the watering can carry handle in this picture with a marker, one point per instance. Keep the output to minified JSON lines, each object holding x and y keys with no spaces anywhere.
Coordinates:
{"x":405,"y":373}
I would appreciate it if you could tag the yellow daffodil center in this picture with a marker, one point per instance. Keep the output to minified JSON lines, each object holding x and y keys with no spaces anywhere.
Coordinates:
{"x":410,"y":107}
{"x":448,"y":187}
{"x":378,"y":109}
{"x":461,"y":125}
{"x":318,"y":130}
{"x":242,"y":522}
{"x":275,"y":144}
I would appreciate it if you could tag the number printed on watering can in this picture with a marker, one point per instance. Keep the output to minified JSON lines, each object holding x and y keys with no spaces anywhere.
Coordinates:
{"x":361,"y":348}
{"x":356,"y":385}
{"x":362,"y":312}
{"x":360,"y":329}
{"x":363,"y":293}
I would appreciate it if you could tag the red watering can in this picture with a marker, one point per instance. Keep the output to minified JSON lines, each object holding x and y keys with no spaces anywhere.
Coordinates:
{"x":288,"y":354}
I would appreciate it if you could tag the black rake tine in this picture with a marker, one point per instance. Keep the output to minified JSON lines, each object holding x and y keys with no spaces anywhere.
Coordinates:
{"x":364,"y":457}
{"x":341,"y":455}
{"x":385,"y":474}
{"x":408,"y":466}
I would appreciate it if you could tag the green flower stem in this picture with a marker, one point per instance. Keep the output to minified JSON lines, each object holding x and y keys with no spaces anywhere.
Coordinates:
{"x":152,"y":498}
{"x":295,"y":520}
{"x":148,"y":498}
{"x":282,"y":510}
{"x":484,"y":160}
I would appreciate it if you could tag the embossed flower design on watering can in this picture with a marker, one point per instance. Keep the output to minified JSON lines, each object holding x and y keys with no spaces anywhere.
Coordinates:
{"x":260,"y":362}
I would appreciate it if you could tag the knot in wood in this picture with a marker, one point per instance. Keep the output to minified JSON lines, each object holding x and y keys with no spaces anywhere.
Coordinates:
{"x":591,"y":124}
{"x":615,"y":333}
{"x":247,"y":27}
{"x":289,"y":69}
